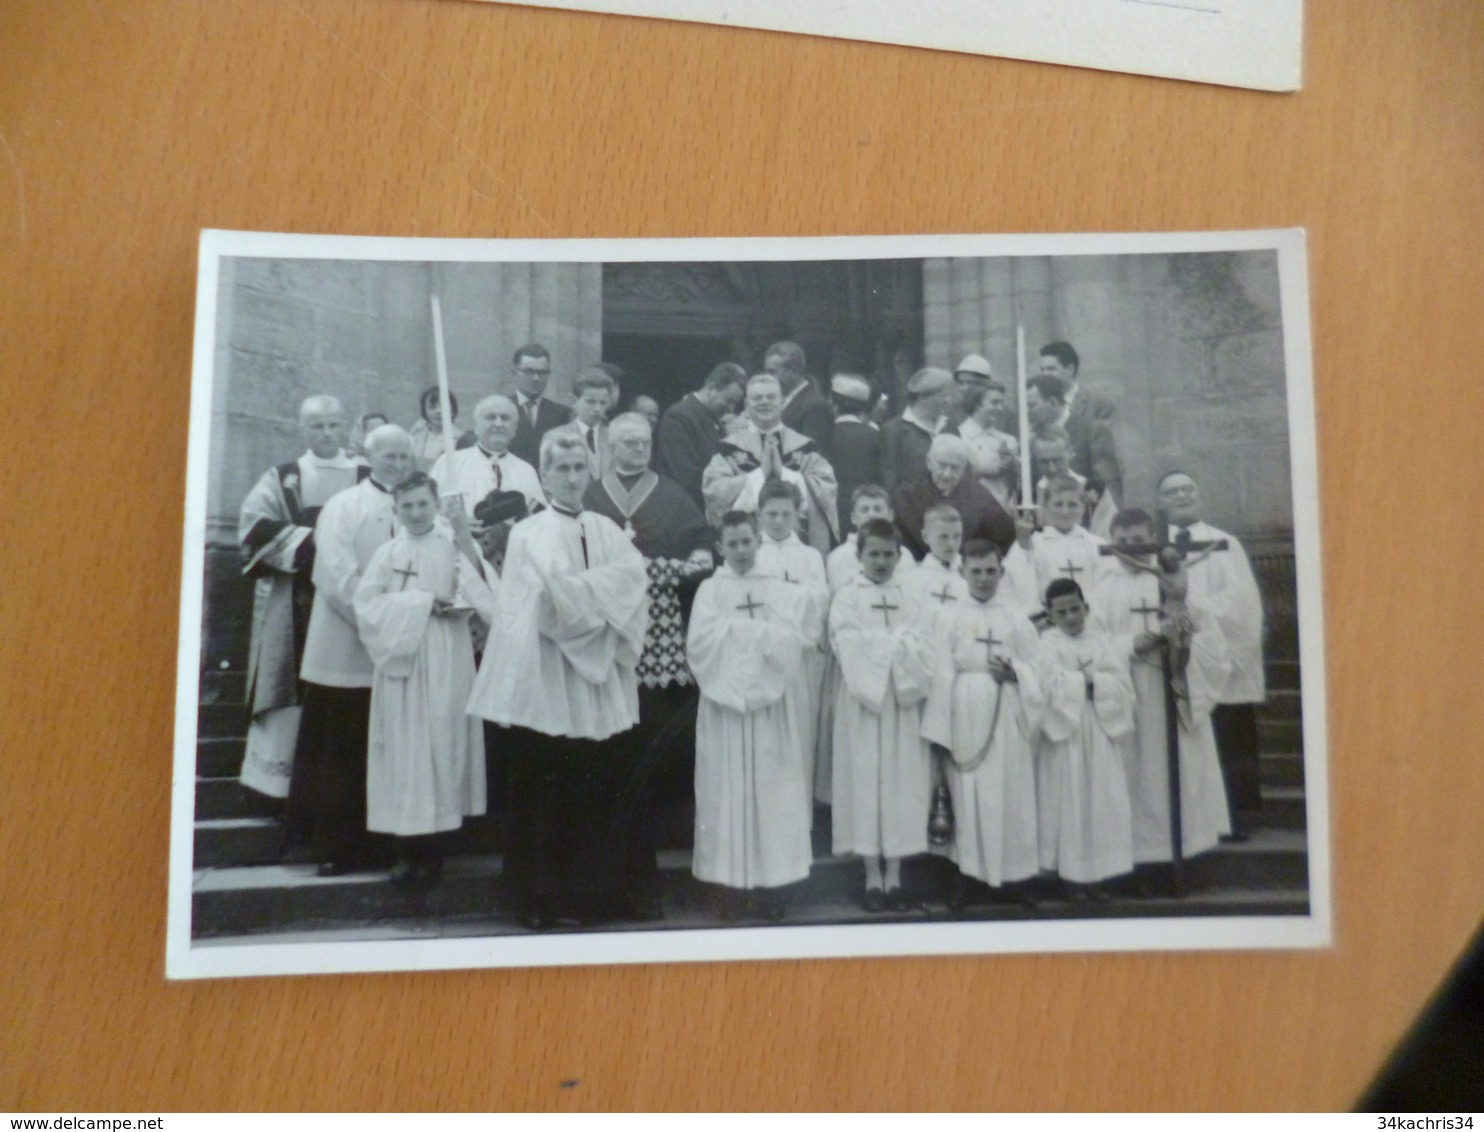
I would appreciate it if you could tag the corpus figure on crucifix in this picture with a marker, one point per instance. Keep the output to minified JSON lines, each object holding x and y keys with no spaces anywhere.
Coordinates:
{"x":749,"y":631}
{"x":1154,"y":622}
{"x":882,"y":783}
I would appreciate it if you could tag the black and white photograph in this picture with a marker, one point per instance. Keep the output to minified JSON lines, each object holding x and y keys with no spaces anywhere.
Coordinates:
{"x":581,"y":602}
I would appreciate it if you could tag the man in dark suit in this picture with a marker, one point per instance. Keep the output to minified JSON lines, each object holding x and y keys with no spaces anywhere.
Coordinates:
{"x":804,"y":410}
{"x":1059,"y":360}
{"x":1094,"y":449}
{"x":536,"y":415}
{"x":857,"y":457}
{"x":690,"y":430}
{"x":905,"y":439}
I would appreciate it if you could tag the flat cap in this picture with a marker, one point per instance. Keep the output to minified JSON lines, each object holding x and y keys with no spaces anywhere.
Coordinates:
{"x":929,"y":380}
{"x":851,"y":386}
{"x":974,"y":363}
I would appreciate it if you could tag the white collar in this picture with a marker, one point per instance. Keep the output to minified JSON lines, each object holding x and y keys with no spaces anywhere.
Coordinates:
{"x":910,"y":414}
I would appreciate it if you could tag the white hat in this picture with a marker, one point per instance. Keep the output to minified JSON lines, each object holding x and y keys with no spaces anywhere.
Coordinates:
{"x":974,"y":363}
{"x":851,"y":386}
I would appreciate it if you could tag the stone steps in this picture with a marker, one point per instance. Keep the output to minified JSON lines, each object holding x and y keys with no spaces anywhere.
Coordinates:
{"x":1266,"y":875}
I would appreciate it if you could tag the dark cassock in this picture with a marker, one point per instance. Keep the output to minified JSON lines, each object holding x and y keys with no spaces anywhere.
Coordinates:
{"x":735,"y":476}
{"x":856,"y":460}
{"x":276,"y":529}
{"x":804,"y":410}
{"x":560,"y":678}
{"x":905,"y":441}
{"x":666,"y":527}
{"x":684,"y":442}
{"x":982,"y":515}
{"x":327,"y":795}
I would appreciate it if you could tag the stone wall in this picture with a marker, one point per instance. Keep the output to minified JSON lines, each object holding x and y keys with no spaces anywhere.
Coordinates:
{"x":1189,"y":346}
{"x":363,"y":332}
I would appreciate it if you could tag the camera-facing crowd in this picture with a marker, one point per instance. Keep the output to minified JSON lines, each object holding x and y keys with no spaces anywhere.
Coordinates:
{"x":821,"y":610}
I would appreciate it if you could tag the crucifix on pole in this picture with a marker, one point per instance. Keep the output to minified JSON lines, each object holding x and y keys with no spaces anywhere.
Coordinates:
{"x":1176,"y":629}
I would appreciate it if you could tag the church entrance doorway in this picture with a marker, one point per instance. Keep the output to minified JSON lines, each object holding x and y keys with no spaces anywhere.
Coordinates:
{"x":665,"y":367}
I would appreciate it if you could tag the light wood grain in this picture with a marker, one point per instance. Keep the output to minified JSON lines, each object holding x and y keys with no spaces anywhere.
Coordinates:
{"x":130,"y":124}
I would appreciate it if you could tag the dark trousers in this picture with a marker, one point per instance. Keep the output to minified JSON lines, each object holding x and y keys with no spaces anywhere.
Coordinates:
{"x":327,"y":793}
{"x":569,"y":840}
{"x":663,"y":768}
{"x":1235,"y":726}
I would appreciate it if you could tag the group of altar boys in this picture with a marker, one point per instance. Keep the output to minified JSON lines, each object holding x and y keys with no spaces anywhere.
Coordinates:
{"x":868,"y":681}
{"x":1029,"y":685}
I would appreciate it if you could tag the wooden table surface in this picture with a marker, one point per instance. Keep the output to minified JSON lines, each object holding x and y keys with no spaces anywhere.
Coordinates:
{"x":128,"y":125}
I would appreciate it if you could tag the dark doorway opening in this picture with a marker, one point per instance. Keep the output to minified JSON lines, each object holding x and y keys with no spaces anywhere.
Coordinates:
{"x":664,"y":366}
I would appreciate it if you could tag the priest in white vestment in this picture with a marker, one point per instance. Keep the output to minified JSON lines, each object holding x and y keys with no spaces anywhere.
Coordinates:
{"x":983,"y":713}
{"x":327,"y":795}
{"x":1224,"y":581}
{"x":749,"y":632}
{"x":1084,"y":819}
{"x":1126,"y":605}
{"x":425,"y":761}
{"x":276,"y":529}
{"x":569,"y":624}
{"x":882,"y":779}
{"x":489,"y":465}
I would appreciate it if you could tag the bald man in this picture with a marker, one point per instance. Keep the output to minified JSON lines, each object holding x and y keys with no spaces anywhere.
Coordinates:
{"x":327,"y":796}
{"x":276,"y":529}
{"x":489,"y":465}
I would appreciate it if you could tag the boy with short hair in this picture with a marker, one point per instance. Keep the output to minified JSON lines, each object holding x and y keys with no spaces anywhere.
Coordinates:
{"x":1063,"y":549}
{"x":1128,"y":608}
{"x":784,"y":555}
{"x":882,"y":782}
{"x":425,"y":760}
{"x":748,"y":634}
{"x":937,"y":582}
{"x":868,"y":501}
{"x":981,"y":718}
{"x":1083,"y":811}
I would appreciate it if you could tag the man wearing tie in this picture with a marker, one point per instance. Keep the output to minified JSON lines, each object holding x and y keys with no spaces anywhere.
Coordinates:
{"x":596,"y":392}
{"x":490,"y":465}
{"x":536,"y":414}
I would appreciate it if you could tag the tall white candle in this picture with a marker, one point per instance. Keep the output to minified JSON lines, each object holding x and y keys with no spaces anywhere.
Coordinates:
{"x":449,"y":438}
{"x":1027,"y":492}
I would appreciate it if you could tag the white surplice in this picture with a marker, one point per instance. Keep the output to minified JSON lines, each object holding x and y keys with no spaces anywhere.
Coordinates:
{"x":799,"y":564}
{"x":425,"y":759}
{"x":1083,"y":814}
{"x":351,"y":528}
{"x":1120,"y":608}
{"x":882,"y":775}
{"x":748,"y":635}
{"x":1225,"y":584}
{"x":937,"y":584}
{"x":995,"y":725}
{"x":569,"y":621}
{"x":473,"y":473}
{"x":1053,"y":554}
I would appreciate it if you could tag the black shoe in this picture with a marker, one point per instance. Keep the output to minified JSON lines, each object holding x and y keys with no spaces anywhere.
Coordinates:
{"x":644,"y":907}
{"x":406,"y":873}
{"x":770,"y":908}
{"x":896,"y":900}
{"x":537,"y":919}
{"x":958,"y":895}
{"x":332,"y":869}
{"x":875,"y":900}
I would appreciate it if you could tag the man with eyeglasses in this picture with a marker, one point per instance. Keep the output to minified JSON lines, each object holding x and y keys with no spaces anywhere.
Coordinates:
{"x":1225,"y":583}
{"x":536,"y":414}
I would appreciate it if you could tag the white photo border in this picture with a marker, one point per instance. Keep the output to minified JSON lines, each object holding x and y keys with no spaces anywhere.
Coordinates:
{"x":186,"y":958}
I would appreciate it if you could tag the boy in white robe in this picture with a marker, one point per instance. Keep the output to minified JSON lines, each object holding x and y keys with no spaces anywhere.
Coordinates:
{"x":425,"y":759}
{"x":787,"y":557}
{"x":868,"y":501}
{"x":1063,"y":549}
{"x":1126,"y":605}
{"x":749,"y":631}
{"x":982,"y":717}
{"x":1084,"y":820}
{"x":937,"y":581}
{"x":882,"y":781}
